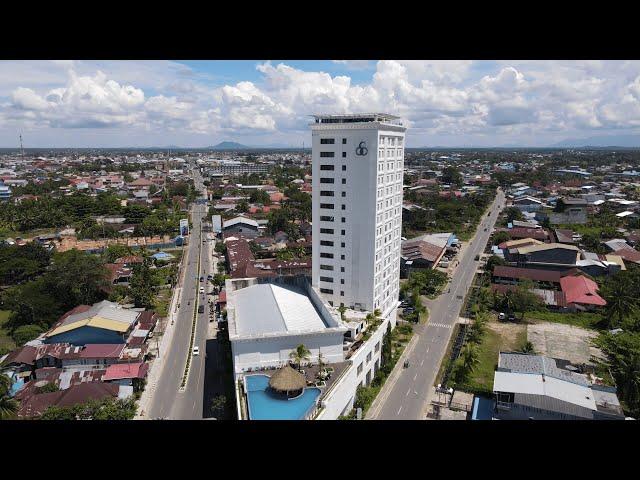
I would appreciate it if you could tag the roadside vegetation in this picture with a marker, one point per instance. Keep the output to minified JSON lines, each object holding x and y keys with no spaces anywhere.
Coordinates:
{"x":393,"y":344}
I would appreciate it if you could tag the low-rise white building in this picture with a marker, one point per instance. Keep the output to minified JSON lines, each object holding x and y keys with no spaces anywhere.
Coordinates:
{"x":269,"y":318}
{"x":267,"y":321}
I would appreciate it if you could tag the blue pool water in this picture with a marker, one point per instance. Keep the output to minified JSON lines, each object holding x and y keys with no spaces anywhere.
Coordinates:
{"x":17,"y":385}
{"x":264,"y":405}
{"x":482,"y":408}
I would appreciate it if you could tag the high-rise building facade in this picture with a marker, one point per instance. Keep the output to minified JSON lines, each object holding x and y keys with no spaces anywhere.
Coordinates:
{"x":358,"y":163}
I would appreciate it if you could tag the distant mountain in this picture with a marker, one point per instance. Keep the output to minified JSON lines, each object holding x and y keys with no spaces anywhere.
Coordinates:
{"x":625,"y":141}
{"x":228,"y":146}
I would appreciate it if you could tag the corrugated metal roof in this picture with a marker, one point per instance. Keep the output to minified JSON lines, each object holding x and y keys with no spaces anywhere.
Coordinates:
{"x":547,"y":246}
{"x":269,"y":308}
{"x":97,"y":322}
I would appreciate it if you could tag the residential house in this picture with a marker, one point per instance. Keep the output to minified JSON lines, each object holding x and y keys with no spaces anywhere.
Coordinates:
{"x":534,"y":387}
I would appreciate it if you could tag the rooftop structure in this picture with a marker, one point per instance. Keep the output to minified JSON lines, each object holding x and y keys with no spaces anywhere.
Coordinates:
{"x":535,"y":387}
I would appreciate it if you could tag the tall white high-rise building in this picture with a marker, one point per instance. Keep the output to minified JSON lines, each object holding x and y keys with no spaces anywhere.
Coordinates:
{"x":358,"y":163}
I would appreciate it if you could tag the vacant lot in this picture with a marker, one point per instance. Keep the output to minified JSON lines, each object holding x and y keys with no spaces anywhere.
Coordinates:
{"x":498,"y":337}
{"x":582,"y":319}
{"x":6,"y":342}
{"x":559,"y":340}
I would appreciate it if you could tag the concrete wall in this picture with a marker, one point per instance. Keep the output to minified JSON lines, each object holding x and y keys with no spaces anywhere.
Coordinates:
{"x":268,"y":352}
{"x":339,"y":401}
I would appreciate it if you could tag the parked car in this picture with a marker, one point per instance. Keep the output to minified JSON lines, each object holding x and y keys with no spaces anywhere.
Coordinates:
{"x":201,"y":289}
{"x":196,"y":351}
{"x":201,"y":309}
{"x":202,"y":279}
{"x":501,"y":316}
{"x":512,"y":317}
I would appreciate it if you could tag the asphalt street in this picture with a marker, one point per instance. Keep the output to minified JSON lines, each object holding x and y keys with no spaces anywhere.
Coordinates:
{"x":406,"y":393}
{"x":168,"y":401}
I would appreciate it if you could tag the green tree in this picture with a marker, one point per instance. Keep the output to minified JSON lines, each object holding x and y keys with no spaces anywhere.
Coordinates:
{"x":512,"y":213}
{"x":387,"y":351}
{"x":218,"y":405}
{"x":342,"y":309}
{"x":452,"y":176}
{"x":494,"y":261}
{"x":501,"y":237}
{"x":260,"y":196}
{"x":522,"y":299}
{"x":623,"y":354}
{"x":299,"y":355}
{"x":142,"y":283}
{"x":113,"y":252}
{"x":621,"y":293}
{"x":77,"y":278}
{"x":8,"y":405}
{"x":528,"y":348}
{"x":242,"y":206}
{"x":25,"y":333}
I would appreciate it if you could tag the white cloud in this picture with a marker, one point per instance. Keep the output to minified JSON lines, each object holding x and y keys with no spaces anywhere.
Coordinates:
{"x":453,"y":99}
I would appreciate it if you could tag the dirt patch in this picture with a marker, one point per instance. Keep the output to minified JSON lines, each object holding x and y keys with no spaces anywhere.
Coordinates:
{"x":511,"y":334}
{"x":563,"y":341}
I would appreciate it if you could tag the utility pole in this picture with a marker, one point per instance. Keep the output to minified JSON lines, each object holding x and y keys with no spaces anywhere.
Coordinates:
{"x":21,"y":148}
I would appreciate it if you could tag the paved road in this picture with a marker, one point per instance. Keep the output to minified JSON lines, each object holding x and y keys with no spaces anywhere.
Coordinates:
{"x":406,"y":393}
{"x":167,"y":400}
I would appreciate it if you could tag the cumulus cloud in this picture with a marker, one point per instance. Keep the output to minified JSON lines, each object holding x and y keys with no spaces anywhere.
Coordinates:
{"x":446,"y":98}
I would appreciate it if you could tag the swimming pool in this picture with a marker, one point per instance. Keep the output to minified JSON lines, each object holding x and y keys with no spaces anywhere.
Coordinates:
{"x":264,"y":405}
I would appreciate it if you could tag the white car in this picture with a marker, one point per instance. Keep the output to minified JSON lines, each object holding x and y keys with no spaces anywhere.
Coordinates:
{"x":196,"y":350}
{"x":201,"y":289}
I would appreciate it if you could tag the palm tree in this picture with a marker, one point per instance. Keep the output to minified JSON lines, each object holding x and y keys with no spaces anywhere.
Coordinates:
{"x":621,"y":301}
{"x":342,"y":309}
{"x":300,"y":354}
{"x":218,"y":403}
{"x":628,"y":379}
{"x":8,"y":405}
{"x":527,"y":347}
{"x":469,"y":358}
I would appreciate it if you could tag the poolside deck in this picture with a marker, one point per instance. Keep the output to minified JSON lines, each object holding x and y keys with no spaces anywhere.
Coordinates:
{"x":311,"y":371}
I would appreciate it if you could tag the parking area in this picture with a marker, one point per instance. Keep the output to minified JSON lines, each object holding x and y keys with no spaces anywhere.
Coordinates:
{"x":563,"y":341}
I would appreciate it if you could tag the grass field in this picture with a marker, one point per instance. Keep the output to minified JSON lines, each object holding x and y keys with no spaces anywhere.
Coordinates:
{"x":583,"y":319}
{"x":498,"y":337}
{"x":6,"y":342}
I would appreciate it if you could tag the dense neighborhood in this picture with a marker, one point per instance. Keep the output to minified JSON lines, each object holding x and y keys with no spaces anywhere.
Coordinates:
{"x":92,"y":249}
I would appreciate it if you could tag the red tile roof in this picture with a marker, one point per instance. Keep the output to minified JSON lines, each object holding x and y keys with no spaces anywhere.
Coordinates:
{"x":580,"y":289}
{"x":126,"y":370}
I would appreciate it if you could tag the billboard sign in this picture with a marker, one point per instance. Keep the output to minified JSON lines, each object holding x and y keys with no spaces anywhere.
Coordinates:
{"x":184,"y":226}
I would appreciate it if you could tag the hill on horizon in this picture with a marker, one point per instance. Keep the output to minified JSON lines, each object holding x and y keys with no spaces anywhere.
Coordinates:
{"x":625,"y":141}
{"x":228,"y":146}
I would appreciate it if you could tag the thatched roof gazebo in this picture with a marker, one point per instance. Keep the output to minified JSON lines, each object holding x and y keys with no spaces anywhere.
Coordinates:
{"x":287,"y":381}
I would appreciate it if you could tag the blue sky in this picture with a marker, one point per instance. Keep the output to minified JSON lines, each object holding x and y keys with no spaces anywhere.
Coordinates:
{"x":267,"y":102}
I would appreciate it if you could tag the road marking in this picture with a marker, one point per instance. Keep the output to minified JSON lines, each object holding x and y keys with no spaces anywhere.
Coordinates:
{"x":440,"y":325}
{"x":406,"y":394}
{"x":422,"y":362}
{"x":414,"y":377}
{"x":399,"y":410}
